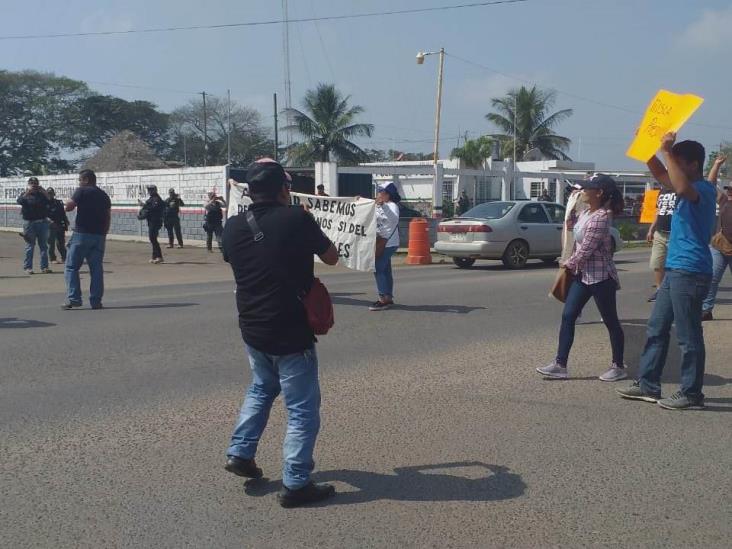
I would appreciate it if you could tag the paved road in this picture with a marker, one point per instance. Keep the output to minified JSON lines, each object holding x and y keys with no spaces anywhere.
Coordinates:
{"x":436,"y":430}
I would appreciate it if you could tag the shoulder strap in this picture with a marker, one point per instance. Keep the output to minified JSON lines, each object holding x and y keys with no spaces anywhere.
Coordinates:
{"x":254,"y":226}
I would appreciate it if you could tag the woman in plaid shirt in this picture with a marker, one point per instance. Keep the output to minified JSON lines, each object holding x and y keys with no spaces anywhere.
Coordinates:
{"x":595,"y":276}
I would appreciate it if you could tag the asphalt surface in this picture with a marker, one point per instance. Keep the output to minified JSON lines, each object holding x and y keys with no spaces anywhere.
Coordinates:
{"x":436,"y":430}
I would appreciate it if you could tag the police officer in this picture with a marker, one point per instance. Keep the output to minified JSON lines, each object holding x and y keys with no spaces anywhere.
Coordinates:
{"x":57,"y":229}
{"x":154,"y":208}
{"x":171,"y":218}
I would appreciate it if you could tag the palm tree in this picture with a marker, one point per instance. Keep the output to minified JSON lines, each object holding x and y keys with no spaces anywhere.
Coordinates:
{"x":534,"y":129}
{"x":474,"y":151}
{"x":327,"y":126}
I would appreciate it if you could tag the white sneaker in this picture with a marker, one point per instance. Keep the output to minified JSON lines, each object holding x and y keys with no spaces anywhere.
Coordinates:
{"x":554,"y":370}
{"x":616,"y":373}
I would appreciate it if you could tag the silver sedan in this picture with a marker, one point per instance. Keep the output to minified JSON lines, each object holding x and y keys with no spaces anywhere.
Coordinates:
{"x":512,"y":231}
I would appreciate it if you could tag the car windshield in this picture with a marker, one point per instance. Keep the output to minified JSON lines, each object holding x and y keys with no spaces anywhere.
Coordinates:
{"x":489,"y":210}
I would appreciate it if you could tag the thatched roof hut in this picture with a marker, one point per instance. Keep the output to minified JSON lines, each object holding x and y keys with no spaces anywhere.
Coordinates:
{"x":125,"y":151}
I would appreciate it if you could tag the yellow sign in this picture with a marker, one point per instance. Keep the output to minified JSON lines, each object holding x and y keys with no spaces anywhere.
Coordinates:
{"x":648,"y":209}
{"x":667,"y":112}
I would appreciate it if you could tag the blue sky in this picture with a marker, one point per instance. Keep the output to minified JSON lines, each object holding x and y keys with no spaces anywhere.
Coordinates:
{"x":617,"y":52}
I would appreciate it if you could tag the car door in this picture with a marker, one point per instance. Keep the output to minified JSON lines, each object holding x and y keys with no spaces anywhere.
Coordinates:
{"x":556,"y":219}
{"x":534,"y":227}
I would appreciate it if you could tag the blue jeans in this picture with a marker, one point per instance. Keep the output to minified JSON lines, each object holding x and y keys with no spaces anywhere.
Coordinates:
{"x":89,"y":247}
{"x":37,"y":232}
{"x":578,"y":296}
{"x":384,"y":277}
{"x":296,"y":376}
{"x":679,"y":300}
{"x":721,"y":262}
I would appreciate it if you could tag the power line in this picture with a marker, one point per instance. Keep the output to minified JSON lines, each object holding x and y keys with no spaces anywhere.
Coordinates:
{"x":264,"y":22}
{"x":576,"y":96}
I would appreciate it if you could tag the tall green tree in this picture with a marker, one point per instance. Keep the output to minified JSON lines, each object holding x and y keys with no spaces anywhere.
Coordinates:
{"x":474,"y":151}
{"x":104,"y":116}
{"x":327,"y":125}
{"x":535,"y":127}
{"x":39,"y":114}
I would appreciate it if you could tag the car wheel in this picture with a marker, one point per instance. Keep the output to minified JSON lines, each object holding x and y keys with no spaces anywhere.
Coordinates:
{"x":516,"y":255}
{"x":463,"y":262}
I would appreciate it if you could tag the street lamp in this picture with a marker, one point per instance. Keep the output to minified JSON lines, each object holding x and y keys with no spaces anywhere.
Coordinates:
{"x":420,"y":60}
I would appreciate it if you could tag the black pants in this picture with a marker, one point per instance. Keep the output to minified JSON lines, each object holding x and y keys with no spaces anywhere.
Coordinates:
{"x":217,"y":230}
{"x":173,"y":225}
{"x":152,"y":232}
{"x":56,"y":238}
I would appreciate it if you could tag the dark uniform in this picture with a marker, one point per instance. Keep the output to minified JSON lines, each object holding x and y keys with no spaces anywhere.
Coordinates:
{"x":171,"y":219}
{"x":57,"y":230}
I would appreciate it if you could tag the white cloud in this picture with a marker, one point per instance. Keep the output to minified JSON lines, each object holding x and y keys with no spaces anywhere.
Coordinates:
{"x":711,"y":32}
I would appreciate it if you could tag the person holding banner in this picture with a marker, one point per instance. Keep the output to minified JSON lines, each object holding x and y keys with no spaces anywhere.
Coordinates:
{"x":594,"y":276}
{"x":687,"y":280}
{"x":270,"y":248}
{"x":387,"y":242}
{"x":721,"y":246}
{"x":658,"y":235}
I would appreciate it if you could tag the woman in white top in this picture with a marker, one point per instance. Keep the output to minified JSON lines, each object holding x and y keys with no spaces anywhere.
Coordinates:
{"x":387,"y":227}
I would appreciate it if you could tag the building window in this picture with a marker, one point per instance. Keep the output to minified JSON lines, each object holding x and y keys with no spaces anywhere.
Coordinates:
{"x":536,"y":188}
{"x":448,"y":192}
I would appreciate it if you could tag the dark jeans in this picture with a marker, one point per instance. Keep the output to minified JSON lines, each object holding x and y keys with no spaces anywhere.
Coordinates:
{"x":152,"y":232}
{"x":679,"y":300}
{"x":212,"y":230}
{"x":56,"y":238}
{"x":173,"y":225}
{"x":604,"y":295}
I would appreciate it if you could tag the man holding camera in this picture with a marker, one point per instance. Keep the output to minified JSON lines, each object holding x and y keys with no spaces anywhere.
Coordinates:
{"x":34,"y":204}
{"x":271,"y":255}
{"x":59,"y":226}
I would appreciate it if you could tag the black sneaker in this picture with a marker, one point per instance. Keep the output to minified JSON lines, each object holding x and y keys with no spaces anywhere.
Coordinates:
{"x":680,"y":401}
{"x":707,"y":316}
{"x":243,"y":467}
{"x":652,"y":297}
{"x":380,"y":306}
{"x":70,"y":305}
{"x":97,"y":306}
{"x":310,"y":493}
{"x":634,"y":392}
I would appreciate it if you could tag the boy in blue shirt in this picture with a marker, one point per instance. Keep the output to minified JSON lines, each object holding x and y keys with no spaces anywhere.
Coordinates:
{"x":688,"y":275}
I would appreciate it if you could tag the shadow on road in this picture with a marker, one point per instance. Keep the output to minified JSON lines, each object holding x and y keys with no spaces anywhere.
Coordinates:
{"x":417,"y":483}
{"x":152,"y":306}
{"x":340,"y":299}
{"x":635,"y":340}
{"x":14,"y":322}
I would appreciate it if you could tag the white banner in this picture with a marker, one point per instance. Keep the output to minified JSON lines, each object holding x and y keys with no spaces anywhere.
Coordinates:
{"x":349,"y":223}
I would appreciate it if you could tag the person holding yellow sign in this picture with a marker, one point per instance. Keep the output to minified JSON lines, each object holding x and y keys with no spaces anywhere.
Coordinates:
{"x":687,"y":279}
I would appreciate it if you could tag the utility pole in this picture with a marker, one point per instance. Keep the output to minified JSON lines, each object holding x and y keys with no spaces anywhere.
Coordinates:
{"x":288,"y":83}
{"x":436,"y":154}
{"x":185,"y":151}
{"x":228,"y":128}
{"x":276,"y":134}
{"x":205,"y":131}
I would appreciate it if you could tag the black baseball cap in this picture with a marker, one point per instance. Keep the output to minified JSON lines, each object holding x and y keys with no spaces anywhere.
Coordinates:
{"x":33,"y":179}
{"x":266,"y":173}
{"x":602,"y":182}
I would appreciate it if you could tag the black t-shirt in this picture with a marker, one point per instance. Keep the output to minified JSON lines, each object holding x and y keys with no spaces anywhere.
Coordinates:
{"x":57,"y":213}
{"x":33,"y":206}
{"x":92,"y":209}
{"x":172,"y":207}
{"x":214,"y":213}
{"x":665,"y":205}
{"x":155,"y":208}
{"x":271,"y":275}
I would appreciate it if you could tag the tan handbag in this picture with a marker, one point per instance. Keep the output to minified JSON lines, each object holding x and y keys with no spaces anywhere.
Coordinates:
{"x":720,"y":242}
{"x":562,"y":283}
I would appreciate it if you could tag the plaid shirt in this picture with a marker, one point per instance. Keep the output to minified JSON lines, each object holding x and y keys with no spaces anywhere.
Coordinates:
{"x":593,"y":259}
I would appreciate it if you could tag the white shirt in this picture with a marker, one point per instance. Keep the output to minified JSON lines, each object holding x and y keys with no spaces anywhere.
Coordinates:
{"x":387,"y":223}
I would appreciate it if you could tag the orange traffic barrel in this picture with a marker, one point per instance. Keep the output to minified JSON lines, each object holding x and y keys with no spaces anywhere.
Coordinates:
{"x":419,"y":243}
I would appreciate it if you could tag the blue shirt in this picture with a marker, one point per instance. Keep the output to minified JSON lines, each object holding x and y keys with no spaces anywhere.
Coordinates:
{"x":692,"y":225}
